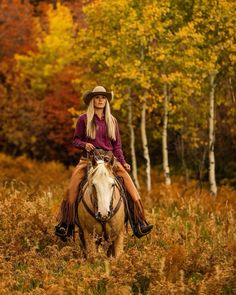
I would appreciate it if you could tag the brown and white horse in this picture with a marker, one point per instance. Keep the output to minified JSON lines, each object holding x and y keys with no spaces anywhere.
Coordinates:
{"x":101,"y":211}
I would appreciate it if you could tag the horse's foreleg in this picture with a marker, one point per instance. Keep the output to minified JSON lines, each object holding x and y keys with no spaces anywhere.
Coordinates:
{"x":118,"y":245}
{"x":110,"y":251}
{"x":82,"y":243}
{"x":90,"y":246}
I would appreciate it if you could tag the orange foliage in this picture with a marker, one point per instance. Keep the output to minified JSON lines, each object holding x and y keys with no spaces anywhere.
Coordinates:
{"x":59,"y":99}
{"x":16,"y":30}
{"x":190,"y":251}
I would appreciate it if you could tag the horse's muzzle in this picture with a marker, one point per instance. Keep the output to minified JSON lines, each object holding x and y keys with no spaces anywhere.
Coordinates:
{"x":103,"y":218}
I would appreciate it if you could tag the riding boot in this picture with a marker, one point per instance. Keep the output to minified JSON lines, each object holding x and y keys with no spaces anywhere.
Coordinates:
{"x":136,"y":218}
{"x":68,"y":212}
{"x":68,"y":217}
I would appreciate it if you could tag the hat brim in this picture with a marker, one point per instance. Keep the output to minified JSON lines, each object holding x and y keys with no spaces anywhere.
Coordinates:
{"x":89,"y":95}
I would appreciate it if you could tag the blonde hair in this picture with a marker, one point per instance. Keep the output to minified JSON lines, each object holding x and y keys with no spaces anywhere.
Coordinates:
{"x":110,"y":121}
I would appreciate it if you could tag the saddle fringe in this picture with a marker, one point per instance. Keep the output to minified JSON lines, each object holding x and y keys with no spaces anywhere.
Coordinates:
{"x":138,"y":211}
{"x":133,"y":209}
{"x":67,"y":213}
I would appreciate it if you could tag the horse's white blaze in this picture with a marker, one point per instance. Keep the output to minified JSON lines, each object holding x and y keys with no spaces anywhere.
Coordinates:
{"x":104,"y":191}
{"x":103,"y":184}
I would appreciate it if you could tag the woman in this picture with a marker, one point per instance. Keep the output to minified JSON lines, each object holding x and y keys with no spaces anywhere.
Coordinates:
{"x":98,"y":129}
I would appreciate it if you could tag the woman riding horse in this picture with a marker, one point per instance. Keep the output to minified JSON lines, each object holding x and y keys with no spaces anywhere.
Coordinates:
{"x":98,"y":129}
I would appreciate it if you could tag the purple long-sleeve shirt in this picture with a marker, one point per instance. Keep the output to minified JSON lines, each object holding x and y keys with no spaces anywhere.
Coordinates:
{"x":102,"y":140}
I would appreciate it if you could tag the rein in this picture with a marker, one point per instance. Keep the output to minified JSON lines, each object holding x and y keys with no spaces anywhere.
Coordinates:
{"x":103,"y":223}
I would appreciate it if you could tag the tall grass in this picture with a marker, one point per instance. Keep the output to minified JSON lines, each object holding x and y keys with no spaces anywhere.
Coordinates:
{"x":190,"y":251}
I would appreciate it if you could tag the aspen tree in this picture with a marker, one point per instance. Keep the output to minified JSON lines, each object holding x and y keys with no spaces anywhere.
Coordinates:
{"x":215,"y":20}
{"x":145,"y":145}
{"x":164,"y":138}
{"x":212,"y":178}
{"x":132,"y":140}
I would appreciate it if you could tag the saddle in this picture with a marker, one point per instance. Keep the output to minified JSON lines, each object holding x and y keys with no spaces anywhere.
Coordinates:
{"x":98,"y":154}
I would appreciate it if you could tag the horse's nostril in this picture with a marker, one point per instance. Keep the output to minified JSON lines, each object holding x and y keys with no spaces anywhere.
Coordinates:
{"x":98,"y":215}
{"x":109,"y":213}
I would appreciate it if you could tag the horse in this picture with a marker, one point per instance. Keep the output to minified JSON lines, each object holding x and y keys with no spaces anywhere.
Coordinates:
{"x":101,"y":211}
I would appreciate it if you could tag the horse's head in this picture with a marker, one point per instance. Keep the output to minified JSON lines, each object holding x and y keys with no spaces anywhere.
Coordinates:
{"x":102,"y":186}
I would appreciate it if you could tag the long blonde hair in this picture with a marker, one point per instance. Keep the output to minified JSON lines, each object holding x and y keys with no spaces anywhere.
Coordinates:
{"x":110,"y":121}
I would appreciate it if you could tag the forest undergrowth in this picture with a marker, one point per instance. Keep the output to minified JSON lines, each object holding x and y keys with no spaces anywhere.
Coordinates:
{"x":191,"y":249}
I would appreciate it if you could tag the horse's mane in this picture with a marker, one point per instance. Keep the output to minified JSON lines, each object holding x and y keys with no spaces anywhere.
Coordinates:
{"x":100,"y":169}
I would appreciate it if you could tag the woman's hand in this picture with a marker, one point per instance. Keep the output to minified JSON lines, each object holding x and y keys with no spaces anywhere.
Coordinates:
{"x":127,"y":167}
{"x":89,"y":147}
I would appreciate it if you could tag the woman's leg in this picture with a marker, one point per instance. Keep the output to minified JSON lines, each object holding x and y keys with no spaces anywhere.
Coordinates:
{"x":76,"y":178}
{"x":67,"y":212}
{"x":138,"y":222}
{"x":129,"y":185}
{"x":131,"y":188}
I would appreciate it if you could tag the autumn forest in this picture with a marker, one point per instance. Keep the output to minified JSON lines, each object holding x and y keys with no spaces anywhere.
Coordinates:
{"x":172,"y":68}
{"x":178,"y":53}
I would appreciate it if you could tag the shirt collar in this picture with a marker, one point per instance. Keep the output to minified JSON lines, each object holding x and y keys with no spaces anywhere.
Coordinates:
{"x":102,"y":118}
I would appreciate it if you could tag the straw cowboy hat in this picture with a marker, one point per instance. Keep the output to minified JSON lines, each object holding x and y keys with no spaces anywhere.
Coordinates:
{"x":98,"y":90}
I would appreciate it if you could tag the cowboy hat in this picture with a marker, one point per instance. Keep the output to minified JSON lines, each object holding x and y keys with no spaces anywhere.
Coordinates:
{"x":98,"y":90}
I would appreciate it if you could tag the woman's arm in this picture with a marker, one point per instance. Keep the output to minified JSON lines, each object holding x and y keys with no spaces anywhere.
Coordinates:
{"x":80,"y":133}
{"x":117,"y":147}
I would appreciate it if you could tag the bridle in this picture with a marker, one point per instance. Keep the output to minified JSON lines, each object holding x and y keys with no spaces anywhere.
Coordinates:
{"x":94,"y":202}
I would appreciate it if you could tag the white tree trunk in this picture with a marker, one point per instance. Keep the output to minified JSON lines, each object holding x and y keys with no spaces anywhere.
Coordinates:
{"x":145,"y":146}
{"x":132,"y":142}
{"x":164,"y":138}
{"x":212,"y":179}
